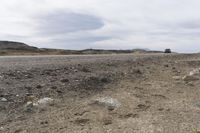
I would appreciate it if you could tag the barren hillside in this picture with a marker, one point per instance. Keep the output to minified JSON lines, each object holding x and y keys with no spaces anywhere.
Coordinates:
{"x":8,"y":45}
{"x":18,"y":48}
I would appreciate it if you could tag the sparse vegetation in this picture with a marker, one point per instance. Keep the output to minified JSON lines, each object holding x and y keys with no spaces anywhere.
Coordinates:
{"x":196,"y":131}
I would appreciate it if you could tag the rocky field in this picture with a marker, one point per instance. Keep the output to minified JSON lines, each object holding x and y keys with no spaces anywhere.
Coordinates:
{"x":127,"y":93}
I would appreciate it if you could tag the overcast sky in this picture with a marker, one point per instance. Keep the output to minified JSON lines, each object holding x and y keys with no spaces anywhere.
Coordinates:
{"x":105,"y":24}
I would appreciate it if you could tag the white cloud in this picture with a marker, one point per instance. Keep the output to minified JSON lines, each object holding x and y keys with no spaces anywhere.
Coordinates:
{"x":154,"y":24}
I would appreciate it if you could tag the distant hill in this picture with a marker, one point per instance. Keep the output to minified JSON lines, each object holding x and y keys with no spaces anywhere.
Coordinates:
{"x":18,"y":48}
{"x":9,"y":45}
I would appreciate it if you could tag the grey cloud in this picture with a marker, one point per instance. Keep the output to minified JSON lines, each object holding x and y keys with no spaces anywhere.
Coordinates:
{"x":176,"y":29}
{"x":180,"y":25}
{"x":83,"y":41}
{"x":69,"y":30}
{"x":190,"y":25}
{"x":65,"y":22}
{"x":127,"y":24}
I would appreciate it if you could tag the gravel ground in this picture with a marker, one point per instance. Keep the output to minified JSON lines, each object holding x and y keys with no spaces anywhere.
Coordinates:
{"x":127,"y":93}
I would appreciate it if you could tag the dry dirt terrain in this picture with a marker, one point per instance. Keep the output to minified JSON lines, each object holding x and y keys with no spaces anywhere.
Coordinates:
{"x":127,"y":93}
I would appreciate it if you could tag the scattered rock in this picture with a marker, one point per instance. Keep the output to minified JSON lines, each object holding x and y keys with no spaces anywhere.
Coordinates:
{"x":110,"y":103}
{"x":190,"y":84}
{"x":54,"y":87}
{"x":143,"y":107}
{"x":177,"y":77}
{"x":29,"y":76}
{"x":64,"y":80}
{"x":82,"y":121}
{"x":136,"y":71}
{"x":30,"y":97}
{"x":44,"y":122}
{"x":85,"y":69}
{"x":96,"y":82}
{"x":39,"y":86}
{"x":4,"y":100}
{"x":193,"y":75}
{"x":129,"y":115}
{"x":28,"y":88}
{"x":178,"y":71}
{"x":29,"y":103}
{"x":166,"y":65}
{"x":18,"y":131}
{"x":40,"y":104}
{"x":190,"y":78}
{"x":104,"y":80}
{"x":161,"y":109}
{"x":44,"y":102}
{"x":29,"y":107}
{"x":160,"y":96}
{"x":107,"y":121}
{"x":173,"y":68}
{"x":59,"y":91}
{"x":195,"y":72}
{"x":48,"y":72}
{"x":197,"y":104}
{"x":81,"y":112}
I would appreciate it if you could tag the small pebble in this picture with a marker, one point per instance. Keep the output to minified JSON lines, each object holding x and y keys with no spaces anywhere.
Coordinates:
{"x":4,"y":100}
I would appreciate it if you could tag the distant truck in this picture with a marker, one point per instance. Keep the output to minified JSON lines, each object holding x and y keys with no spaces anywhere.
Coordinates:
{"x":168,"y":51}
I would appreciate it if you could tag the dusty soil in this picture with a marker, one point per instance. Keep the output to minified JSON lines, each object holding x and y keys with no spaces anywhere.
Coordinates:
{"x":152,"y":96}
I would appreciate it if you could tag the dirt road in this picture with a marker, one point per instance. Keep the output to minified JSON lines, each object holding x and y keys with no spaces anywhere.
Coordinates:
{"x":152,"y":93}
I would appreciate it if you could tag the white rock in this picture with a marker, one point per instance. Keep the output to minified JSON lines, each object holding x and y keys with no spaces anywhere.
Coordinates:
{"x":177,"y":77}
{"x":29,"y":103}
{"x":4,"y":100}
{"x":110,"y":103}
{"x":193,"y":75}
{"x":44,"y":101}
{"x":194,"y":72}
